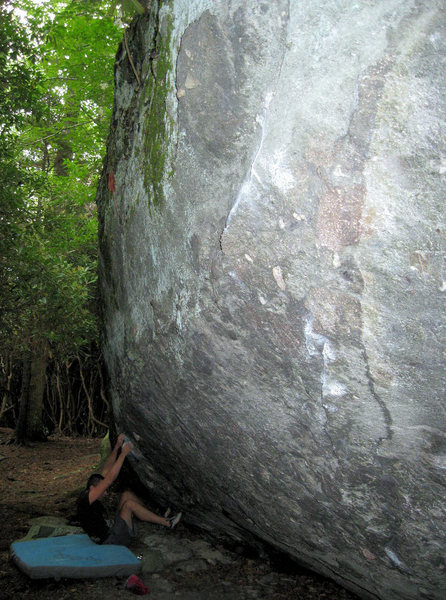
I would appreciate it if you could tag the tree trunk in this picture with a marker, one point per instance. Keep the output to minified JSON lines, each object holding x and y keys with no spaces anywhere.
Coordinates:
{"x":64,"y":152}
{"x":20,"y":430}
{"x":7,"y":387}
{"x":30,"y":425}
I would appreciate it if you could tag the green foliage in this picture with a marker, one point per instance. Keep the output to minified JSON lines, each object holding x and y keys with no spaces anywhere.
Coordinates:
{"x":130,"y":6}
{"x":19,"y":78}
{"x":56,"y":97}
{"x":77,"y":58}
{"x":19,"y":95}
{"x":58,"y":70}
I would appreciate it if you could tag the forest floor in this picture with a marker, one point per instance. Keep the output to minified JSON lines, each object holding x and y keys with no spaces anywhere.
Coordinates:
{"x":44,"y":479}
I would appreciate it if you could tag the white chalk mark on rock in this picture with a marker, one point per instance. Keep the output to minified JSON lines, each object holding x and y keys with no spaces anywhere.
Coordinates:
{"x":394,"y":558}
{"x":280,"y":175}
{"x":278,"y":276}
{"x":244,"y":191}
{"x":318,"y":344}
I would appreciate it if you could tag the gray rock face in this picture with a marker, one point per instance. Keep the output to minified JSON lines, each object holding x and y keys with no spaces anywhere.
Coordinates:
{"x":273,"y":275}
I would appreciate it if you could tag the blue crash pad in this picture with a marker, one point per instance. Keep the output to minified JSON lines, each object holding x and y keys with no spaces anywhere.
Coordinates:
{"x":72,"y":556}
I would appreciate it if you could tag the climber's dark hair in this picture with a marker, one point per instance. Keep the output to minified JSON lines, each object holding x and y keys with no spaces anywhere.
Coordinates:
{"x":94,"y":480}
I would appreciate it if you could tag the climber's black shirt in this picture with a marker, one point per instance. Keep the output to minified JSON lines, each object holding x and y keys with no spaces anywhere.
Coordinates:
{"x":92,"y":517}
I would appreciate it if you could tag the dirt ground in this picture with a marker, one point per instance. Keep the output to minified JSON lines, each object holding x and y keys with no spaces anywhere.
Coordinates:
{"x":45,"y":479}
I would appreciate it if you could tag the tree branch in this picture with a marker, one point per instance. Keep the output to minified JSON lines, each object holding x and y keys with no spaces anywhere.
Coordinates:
{"x":47,"y":137}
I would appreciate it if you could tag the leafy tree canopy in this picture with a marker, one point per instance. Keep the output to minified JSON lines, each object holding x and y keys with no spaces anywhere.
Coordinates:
{"x":56,"y":96}
{"x":56,"y":65}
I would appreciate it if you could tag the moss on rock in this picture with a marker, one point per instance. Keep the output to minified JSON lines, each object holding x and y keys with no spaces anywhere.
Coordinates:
{"x":158,"y":124}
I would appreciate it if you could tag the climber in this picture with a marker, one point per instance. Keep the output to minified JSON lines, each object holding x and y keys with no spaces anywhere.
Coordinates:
{"x":92,"y":514}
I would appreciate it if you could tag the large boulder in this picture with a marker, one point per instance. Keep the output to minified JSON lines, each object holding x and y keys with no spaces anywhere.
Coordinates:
{"x":272,"y":267}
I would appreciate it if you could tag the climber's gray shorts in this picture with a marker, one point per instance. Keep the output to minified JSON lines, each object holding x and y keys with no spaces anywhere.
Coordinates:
{"x":120,"y":534}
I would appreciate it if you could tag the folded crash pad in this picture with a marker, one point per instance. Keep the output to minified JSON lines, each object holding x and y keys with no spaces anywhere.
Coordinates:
{"x":45,"y":531}
{"x":72,"y":556}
